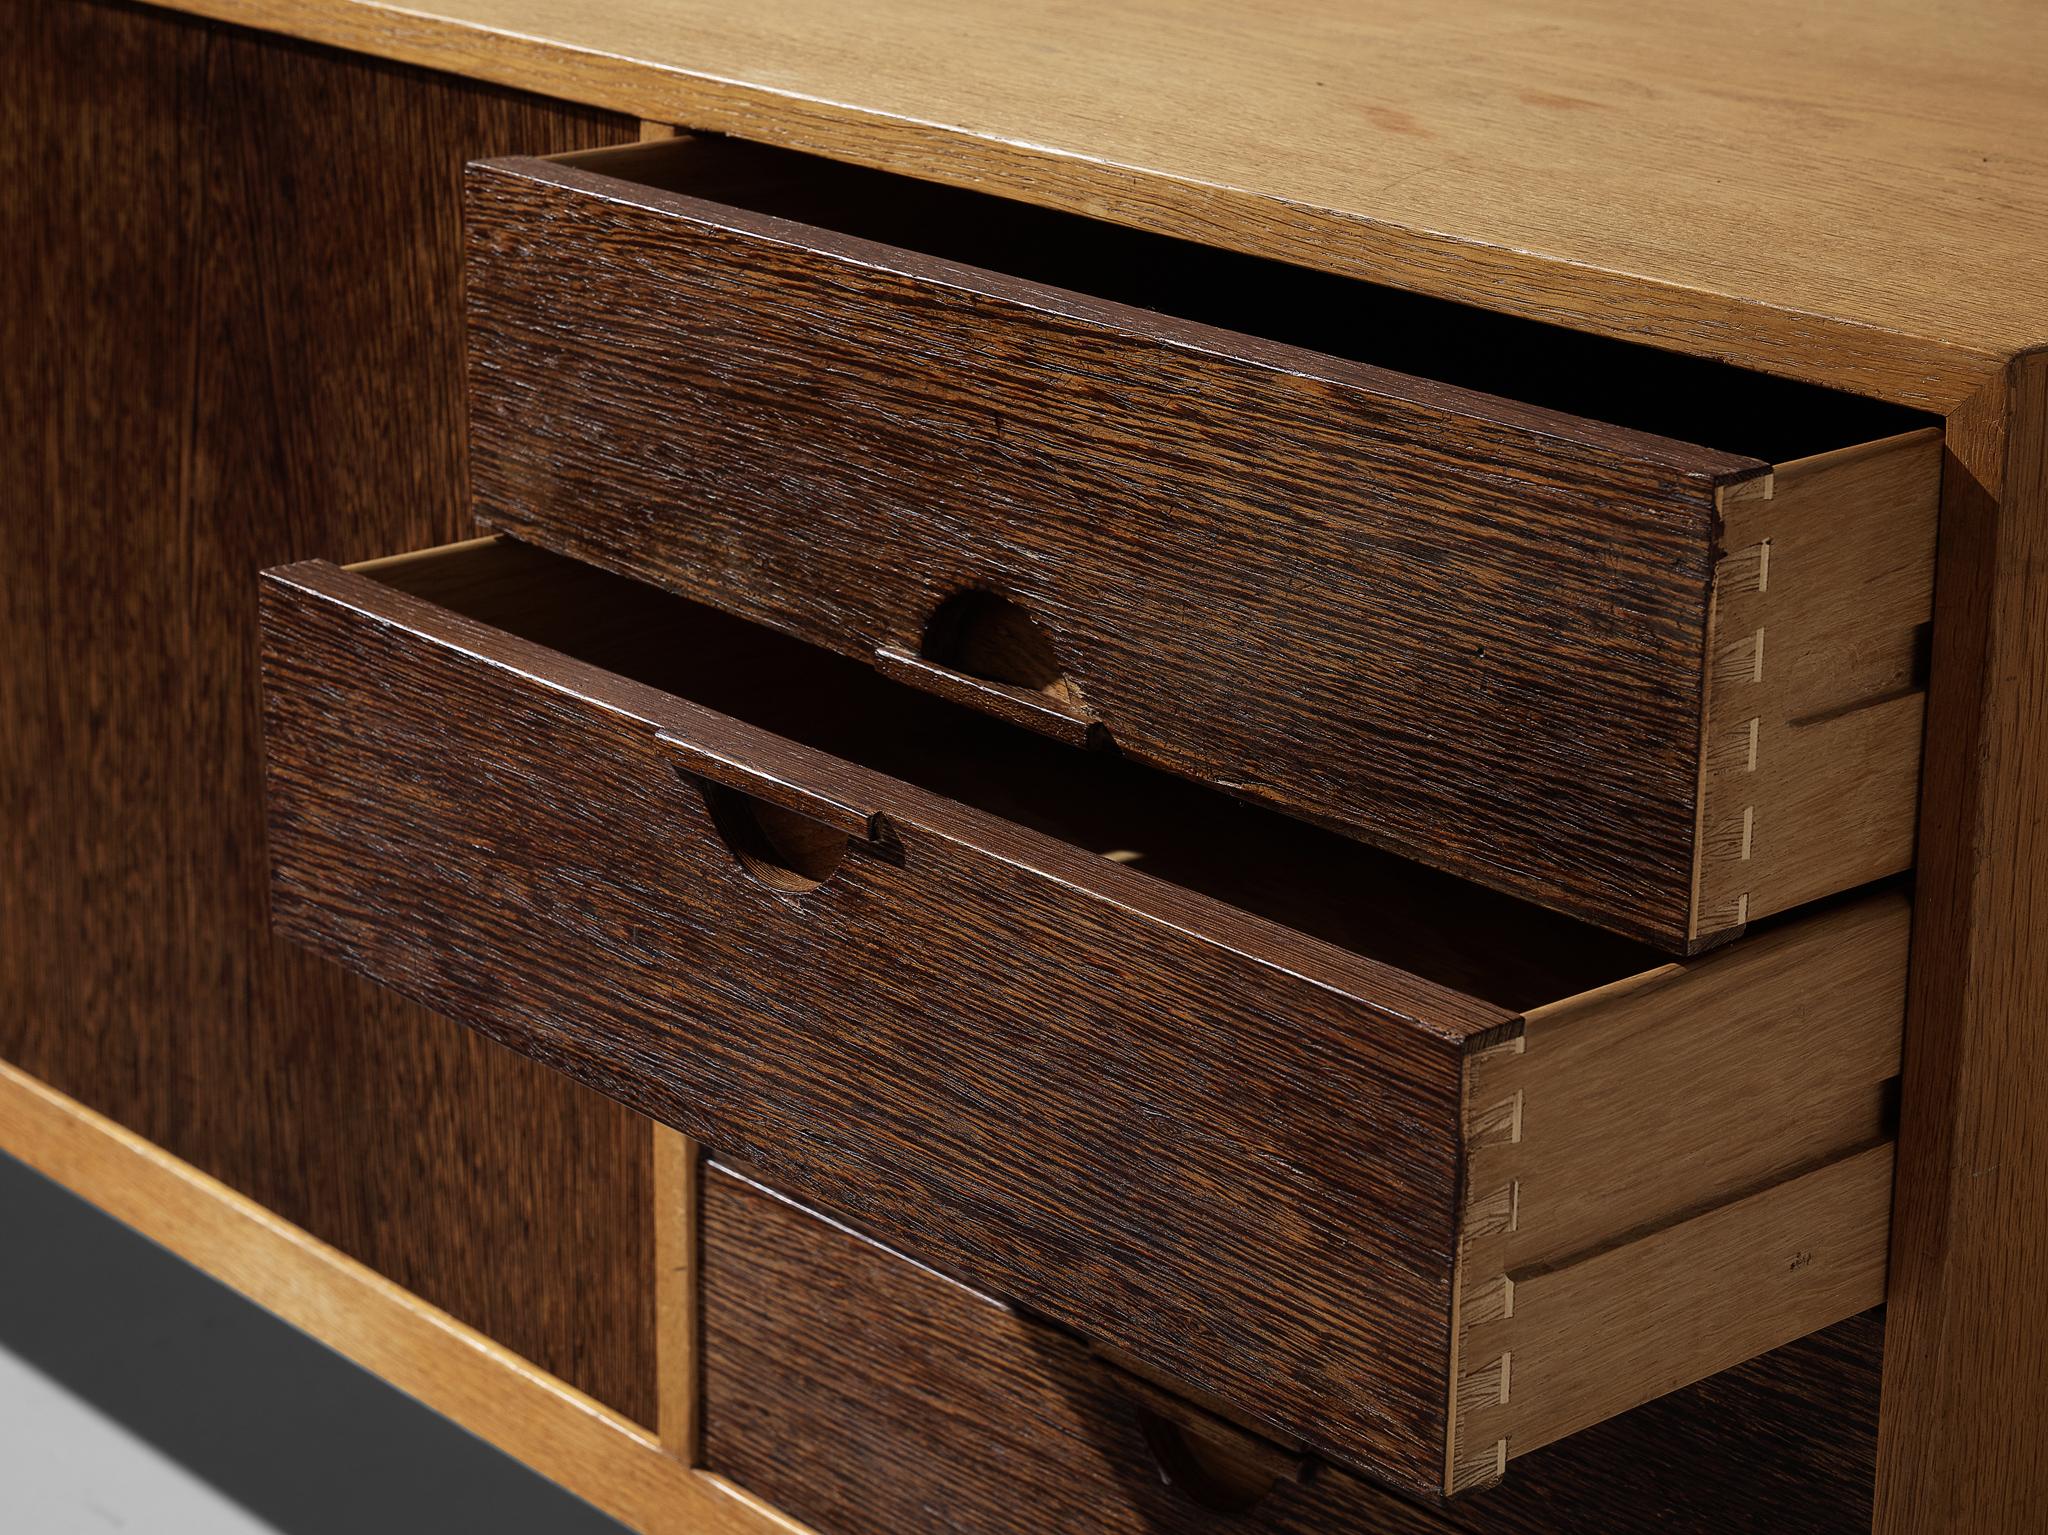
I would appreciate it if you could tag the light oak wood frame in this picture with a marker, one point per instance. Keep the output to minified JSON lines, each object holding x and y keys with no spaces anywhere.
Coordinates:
{"x":645,"y":1480}
{"x":1966,"y":1356}
{"x":1338,"y":178}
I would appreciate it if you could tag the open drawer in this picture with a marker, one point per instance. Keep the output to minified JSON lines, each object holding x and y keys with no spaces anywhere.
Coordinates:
{"x":1412,"y":1174}
{"x":1634,"y":637}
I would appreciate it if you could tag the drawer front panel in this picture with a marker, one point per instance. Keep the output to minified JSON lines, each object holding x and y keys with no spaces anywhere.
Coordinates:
{"x":948,"y":1412}
{"x":978,"y":1043}
{"x":1459,"y":627}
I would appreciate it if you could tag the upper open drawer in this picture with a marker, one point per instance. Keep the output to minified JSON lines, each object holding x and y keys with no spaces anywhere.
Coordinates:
{"x":1558,"y":625}
{"x":1412,"y":1174}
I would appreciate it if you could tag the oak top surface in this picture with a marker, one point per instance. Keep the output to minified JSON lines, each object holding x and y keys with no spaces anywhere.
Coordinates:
{"x":1859,"y":184}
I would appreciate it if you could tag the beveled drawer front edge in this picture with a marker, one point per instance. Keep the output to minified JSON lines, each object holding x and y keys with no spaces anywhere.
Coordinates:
{"x":615,"y":175}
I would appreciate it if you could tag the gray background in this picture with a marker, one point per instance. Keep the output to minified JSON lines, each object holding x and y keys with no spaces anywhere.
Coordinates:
{"x":137,"y":1395}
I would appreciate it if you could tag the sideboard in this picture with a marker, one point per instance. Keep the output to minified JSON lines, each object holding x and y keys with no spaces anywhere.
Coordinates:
{"x":1332,"y":460}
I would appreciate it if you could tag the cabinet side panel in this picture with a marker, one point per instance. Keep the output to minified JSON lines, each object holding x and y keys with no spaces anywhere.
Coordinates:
{"x":230,"y":336}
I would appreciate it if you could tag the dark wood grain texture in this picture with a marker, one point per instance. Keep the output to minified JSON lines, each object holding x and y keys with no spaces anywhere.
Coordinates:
{"x":1088,"y":1088}
{"x":946,"y":1411}
{"x":1462,"y":627}
{"x":230,"y":335}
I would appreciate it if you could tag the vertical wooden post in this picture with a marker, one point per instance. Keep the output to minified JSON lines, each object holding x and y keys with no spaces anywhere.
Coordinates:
{"x":1963,"y":1443}
{"x":676,"y":1330}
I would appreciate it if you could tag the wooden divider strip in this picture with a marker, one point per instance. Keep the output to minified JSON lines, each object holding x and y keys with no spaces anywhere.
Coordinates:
{"x":677,"y":1332}
{"x":452,"y":1368}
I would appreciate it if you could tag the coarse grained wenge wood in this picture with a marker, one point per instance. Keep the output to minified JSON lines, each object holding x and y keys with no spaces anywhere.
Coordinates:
{"x":230,"y":335}
{"x":1844,"y":192}
{"x":986,"y":1042}
{"x":1463,"y":628}
{"x":947,"y":1411}
{"x":1027,"y":1061}
{"x":1309,"y":881}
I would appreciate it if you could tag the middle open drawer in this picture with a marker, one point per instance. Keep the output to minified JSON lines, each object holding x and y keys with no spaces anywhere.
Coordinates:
{"x":1416,"y":1175}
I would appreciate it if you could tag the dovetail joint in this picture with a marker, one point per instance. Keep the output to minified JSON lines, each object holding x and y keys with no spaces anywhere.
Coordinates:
{"x":1735,"y":748}
{"x":1741,"y":661}
{"x":1500,"y":1125}
{"x":1493,"y":1214}
{"x":1481,"y":1468}
{"x":1486,"y":1386}
{"x":1495,"y":1303}
{"x":1745,"y":571}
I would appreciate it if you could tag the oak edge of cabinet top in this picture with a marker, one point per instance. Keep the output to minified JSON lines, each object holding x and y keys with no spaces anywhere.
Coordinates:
{"x":1849,"y":191}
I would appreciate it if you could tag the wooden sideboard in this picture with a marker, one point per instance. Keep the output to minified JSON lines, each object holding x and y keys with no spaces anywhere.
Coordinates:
{"x":233,"y":337}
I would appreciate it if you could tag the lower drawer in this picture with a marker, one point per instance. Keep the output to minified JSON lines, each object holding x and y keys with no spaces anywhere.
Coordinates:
{"x":1414,"y":1175}
{"x":866,"y":1395}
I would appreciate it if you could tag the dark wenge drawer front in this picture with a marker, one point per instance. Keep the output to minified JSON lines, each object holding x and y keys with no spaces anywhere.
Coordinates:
{"x":1503,"y":639}
{"x":865,"y":1395}
{"x":1304,"y":1127}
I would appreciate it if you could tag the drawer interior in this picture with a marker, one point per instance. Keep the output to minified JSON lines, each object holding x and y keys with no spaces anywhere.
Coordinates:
{"x":1688,"y":398}
{"x":1471,"y":940}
